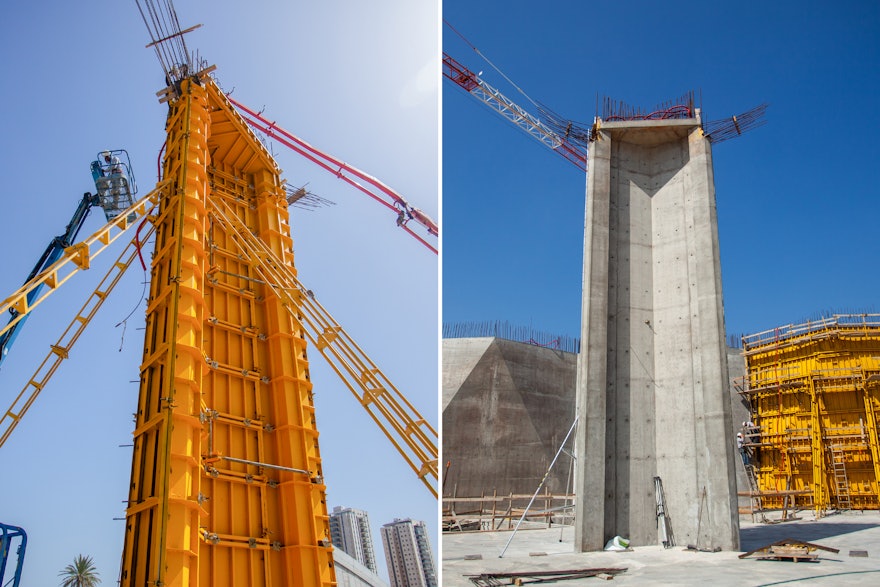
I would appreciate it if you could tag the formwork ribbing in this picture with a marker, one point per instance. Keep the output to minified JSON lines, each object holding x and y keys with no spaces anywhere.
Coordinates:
{"x":652,"y":372}
{"x":226,"y":484}
{"x":814,"y":393}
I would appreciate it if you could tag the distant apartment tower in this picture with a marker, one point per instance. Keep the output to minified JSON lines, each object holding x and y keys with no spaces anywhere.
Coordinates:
{"x":408,"y":554}
{"x":350,"y":532}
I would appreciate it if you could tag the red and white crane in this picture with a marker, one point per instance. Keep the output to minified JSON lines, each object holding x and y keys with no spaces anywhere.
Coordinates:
{"x":471,"y":82}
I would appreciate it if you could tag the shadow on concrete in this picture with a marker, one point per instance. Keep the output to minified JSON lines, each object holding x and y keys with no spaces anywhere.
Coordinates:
{"x":758,"y":536}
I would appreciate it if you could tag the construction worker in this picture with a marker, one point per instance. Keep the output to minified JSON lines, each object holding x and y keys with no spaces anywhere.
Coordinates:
{"x":742,"y":449}
{"x":112,"y":164}
{"x":115,"y":170}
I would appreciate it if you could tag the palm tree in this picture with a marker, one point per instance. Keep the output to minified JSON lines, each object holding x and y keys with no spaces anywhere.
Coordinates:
{"x":81,"y":573}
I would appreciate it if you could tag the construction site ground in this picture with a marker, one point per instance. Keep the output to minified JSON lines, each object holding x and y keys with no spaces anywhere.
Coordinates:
{"x":854,"y":534}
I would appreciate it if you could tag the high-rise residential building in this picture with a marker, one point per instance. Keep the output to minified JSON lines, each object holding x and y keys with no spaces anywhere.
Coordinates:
{"x":350,"y":532}
{"x":408,"y":554}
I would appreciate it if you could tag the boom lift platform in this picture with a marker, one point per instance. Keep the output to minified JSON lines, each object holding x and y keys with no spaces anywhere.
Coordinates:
{"x":115,"y":185}
{"x":114,"y":181}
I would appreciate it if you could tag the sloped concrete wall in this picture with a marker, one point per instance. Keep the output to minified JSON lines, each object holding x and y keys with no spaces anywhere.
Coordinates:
{"x":506,"y":409}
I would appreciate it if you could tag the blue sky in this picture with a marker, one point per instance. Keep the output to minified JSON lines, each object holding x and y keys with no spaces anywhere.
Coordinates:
{"x":360,"y":82}
{"x":797,"y":198}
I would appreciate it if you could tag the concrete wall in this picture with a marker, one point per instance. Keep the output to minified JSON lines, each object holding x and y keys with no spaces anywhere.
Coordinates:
{"x":652,"y":374}
{"x":351,"y":573}
{"x":739,"y":413}
{"x":506,"y":409}
{"x":472,"y":474}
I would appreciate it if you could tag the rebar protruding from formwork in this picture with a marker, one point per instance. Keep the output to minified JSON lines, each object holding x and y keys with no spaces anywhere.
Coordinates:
{"x":507,"y":331}
{"x":167,"y":39}
{"x":571,"y":130}
{"x":677,"y":108}
{"x":730,"y":128}
{"x":304,"y":199}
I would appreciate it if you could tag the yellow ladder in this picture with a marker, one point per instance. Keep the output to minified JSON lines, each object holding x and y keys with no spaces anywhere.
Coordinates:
{"x":410,"y":433}
{"x":754,"y":492}
{"x":841,"y":483}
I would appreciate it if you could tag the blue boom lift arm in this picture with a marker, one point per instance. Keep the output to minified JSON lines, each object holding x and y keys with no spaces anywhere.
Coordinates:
{"x":7,"y":533}
{"x":115,"y":190}
{"x":47,"y":259}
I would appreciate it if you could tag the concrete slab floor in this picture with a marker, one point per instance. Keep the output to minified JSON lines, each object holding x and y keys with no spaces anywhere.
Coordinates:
{"x":549,"y":549}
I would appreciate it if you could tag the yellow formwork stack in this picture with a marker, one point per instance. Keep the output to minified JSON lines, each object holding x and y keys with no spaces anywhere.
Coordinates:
{"x":227,"y":484}
{"x":814,"y":395}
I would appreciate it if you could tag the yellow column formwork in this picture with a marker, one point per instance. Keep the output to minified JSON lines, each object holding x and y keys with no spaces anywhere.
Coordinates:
{"x":814,"y":391}
{"x":817,"y":447}
{"x":227,"y":483}
{"x":871,"y":399}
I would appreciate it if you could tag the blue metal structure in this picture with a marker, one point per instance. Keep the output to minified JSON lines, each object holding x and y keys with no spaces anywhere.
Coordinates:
{"x":115,"y":185}
{"x":7,"y":533}
{"x":50,"y":255}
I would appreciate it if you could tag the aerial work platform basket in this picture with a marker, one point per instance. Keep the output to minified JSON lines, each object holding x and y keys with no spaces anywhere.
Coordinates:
{"x":114,"y":182}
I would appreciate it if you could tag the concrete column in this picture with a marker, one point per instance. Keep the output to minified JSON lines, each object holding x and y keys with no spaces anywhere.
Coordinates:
{"x":652,"y":374}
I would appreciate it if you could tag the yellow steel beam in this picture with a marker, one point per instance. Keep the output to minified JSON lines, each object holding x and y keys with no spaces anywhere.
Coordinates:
{"x":872,"y":402}
{"x":61,"y":349}
{"x":163,"y":518}
{"x":76,"y":257}
{"x":413,"y":437}
{"x":817,"y":448}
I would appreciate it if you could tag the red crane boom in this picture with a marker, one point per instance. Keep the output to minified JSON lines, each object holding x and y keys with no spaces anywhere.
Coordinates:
{"x":386,"y":196}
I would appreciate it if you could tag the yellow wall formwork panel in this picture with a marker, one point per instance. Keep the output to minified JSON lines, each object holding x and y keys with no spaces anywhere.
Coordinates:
{"x":227,"y":484}
{"x":814,"y":395}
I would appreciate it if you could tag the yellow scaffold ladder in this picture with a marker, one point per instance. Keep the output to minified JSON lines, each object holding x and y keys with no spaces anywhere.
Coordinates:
{"x":841,"y":483}
{"x":409,"y":432}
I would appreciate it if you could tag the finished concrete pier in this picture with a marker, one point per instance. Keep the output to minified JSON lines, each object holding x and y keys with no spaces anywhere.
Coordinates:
{"x":652,"y":383}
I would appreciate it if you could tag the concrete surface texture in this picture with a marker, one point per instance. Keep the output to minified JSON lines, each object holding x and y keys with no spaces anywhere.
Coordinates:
{"x":739,"y":413}
{"x":652,"y":384}
{"x":507,"y":407}
{"x":351,"y":573}
{"x":551,"y":549}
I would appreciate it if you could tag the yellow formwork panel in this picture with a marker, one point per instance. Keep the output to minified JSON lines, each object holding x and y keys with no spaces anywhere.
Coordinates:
{"x":814,"y":395}
{"x":227,"y":483}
